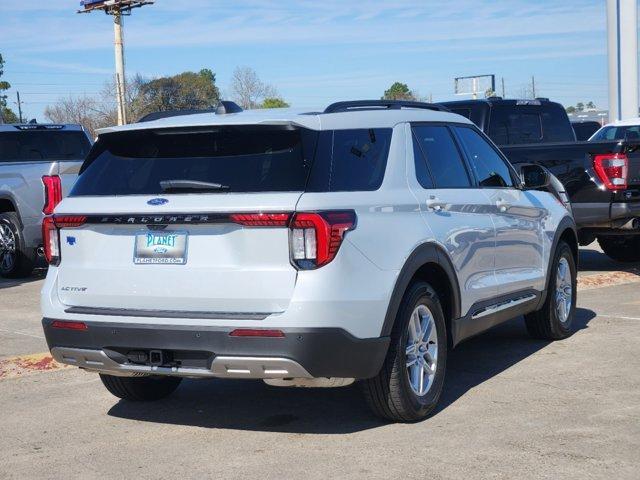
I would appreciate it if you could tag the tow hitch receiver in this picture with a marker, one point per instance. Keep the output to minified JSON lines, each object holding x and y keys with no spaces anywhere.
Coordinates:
{"x":156,"y":358}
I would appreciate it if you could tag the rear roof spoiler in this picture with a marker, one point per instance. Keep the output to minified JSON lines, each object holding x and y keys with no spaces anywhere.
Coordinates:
{"x":224,"y":107}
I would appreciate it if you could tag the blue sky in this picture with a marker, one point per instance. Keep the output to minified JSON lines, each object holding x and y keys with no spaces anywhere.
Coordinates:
{"x":314,"y":52}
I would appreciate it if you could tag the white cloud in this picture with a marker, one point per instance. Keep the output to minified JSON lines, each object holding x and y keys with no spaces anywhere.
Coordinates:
{"x":185,"y":23}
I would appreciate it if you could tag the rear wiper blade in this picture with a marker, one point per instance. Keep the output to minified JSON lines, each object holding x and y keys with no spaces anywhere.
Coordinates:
{"x":175,"y":185}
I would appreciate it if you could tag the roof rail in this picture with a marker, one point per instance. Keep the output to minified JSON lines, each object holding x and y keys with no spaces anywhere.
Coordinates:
{"x":354,"y":105}
{"x":223,"y":108}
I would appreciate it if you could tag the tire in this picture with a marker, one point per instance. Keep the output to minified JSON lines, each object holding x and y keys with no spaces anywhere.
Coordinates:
{"x":547,"y":322}
{"x":390,"y":394}
{"x":623,"y":248}
{"x":16,"y":259}
{"x":140,"y":389}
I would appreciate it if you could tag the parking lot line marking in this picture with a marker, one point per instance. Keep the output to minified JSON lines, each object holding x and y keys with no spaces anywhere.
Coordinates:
{"x":622,"y":317}
{"x":27,"y":364}
{"x":607,"y":279}
{"x":21,"y":333}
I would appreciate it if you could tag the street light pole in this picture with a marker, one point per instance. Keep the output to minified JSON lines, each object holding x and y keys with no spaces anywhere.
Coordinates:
{"x":121,"y":86}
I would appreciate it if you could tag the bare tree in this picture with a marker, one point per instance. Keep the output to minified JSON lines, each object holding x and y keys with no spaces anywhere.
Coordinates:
{"x":248,"y":90}
{"x":83,"y":110}
{"x":95,"y":112}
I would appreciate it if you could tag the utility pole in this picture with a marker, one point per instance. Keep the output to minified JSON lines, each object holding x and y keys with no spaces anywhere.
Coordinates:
{"x":19,"y":107}
{"x":121,"y":86}
{"x":117,"y":9}
{"x":502,"y":80}
{"x":533,"y":86}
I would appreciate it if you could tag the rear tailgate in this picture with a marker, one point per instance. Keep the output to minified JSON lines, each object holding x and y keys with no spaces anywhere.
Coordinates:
{"x":214,"y":266}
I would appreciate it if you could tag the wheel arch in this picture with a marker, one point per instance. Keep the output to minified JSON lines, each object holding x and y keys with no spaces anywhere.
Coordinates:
{"x":7,"y":204}
{"x":568,"y":233}
{"x":430,"y":263}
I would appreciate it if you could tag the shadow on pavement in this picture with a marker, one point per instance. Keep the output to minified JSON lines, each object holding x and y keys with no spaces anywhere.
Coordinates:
{"x":254,"y":406}
{"x":596,"y":261}
{"x":38,"y":274}
{"x":487,"y":355}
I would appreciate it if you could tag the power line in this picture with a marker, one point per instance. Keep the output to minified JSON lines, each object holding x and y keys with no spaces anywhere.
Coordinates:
{"x":45,"y":72}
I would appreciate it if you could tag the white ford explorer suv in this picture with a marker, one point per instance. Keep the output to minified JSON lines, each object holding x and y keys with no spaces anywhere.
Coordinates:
{"x":316,"y":248}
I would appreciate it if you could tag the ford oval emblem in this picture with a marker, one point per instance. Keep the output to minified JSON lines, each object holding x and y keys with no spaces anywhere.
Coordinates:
{"x":157,"y":201}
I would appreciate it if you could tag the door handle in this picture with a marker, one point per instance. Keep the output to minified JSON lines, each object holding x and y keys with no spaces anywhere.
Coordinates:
{"x":502,"y":205}
{"x":434,"y":204}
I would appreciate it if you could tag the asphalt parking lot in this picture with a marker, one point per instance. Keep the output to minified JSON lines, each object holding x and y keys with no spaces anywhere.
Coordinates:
{"x":512,"y":408}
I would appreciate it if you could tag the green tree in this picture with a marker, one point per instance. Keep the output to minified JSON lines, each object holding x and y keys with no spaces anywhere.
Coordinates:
{"x":274,"y":102}
{"x":579,"y":106}
{"x":399,"y":91}
{"x":591,"y":105}
{"x":571,"y":109}
{"x":185,"y":91}
{"x":6,"y":114}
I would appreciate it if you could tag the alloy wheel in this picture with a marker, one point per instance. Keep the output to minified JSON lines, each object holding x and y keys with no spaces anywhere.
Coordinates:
{"x":421,"y":350}
{"x":564,"y":290}
{"x":7,"y":248}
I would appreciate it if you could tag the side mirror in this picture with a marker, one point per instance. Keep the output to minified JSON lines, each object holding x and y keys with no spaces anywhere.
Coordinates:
{"x":534,"y":176}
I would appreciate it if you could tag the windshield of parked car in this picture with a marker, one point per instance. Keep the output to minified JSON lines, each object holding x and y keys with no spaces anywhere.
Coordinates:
{"x":43,"y":145}
{"x":631,"y":132}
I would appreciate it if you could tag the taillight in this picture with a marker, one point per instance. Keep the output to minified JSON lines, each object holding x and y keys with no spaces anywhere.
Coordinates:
{"x":52,"y":193}
{"x":612,"y":169}
{"x":261,"y":219}
{"x":51,"y":234}
{"x":51,"y":241}
{"x":70,"y":221}
{"x":316,"y":237}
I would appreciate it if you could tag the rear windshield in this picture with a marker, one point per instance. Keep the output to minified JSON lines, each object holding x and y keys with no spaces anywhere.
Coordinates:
{"x":45,"y":145}
{"x":234,"y":159}
{"x":617,"y":133}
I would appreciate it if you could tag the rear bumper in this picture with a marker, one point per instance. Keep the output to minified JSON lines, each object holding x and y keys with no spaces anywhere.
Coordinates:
{"x":608,"y":216}
{"x":210,"y":351}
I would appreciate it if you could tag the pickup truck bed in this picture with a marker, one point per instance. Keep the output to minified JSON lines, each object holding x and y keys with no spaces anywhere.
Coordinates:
{"x":595,"y":208}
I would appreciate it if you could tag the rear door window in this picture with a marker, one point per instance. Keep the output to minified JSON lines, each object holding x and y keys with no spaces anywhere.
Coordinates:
{"x":487,"y":165}
{"x":43,"y":145}
{"x":435,"y":152}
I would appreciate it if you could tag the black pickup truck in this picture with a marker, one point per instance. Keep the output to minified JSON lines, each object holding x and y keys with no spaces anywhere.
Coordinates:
{"x":602,"y":178}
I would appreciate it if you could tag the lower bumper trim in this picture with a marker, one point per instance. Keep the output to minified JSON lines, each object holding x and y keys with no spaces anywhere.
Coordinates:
{"x":221,"y":367}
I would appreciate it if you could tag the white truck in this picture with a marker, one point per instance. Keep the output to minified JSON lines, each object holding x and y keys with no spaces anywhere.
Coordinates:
{"x":38,"y":165}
